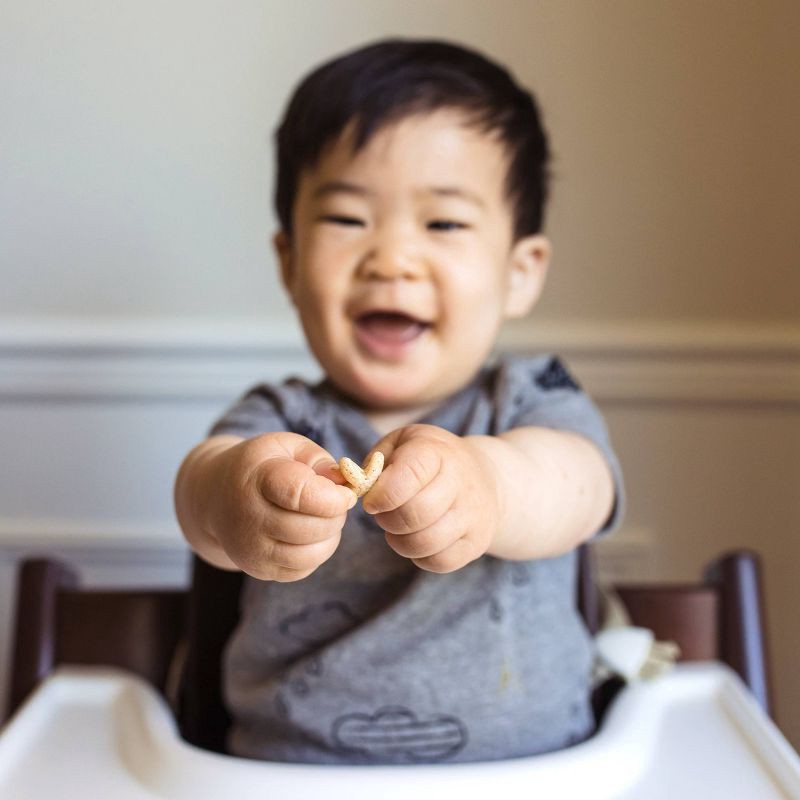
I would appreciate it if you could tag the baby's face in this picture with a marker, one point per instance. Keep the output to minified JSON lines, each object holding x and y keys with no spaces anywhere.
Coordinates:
{"x":402,"y":265}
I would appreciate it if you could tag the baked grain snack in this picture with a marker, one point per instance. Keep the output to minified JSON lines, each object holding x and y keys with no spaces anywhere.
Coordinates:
{"x":361,"y":480}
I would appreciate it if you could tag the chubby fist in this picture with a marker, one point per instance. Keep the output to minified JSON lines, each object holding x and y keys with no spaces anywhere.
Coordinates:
{"x":437,"y":498}
{"x":277,"y":506}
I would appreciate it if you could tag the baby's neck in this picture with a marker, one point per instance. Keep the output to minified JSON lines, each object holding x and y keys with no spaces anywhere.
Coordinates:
{"x":386,"y":421}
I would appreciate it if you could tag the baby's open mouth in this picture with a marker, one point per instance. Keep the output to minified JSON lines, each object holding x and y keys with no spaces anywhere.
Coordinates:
{"x":388,"y":334}
{"x":391,"y":326}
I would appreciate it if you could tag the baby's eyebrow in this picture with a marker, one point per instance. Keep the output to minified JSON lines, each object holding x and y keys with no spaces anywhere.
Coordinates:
{"x":336,"y":187}
{"x":455,"y":191}
{"x":343,"y":187}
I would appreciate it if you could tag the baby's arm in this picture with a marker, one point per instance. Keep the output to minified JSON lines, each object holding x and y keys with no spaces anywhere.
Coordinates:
{"x":269,"y":506}
{"x":558,"y":491}
{"x":531,"y":492}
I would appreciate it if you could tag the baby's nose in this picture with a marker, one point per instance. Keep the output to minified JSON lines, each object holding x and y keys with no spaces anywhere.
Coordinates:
{"x":392,"y":261}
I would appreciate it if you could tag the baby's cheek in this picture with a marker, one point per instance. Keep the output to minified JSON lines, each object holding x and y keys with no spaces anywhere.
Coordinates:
{"x":470,"y":336}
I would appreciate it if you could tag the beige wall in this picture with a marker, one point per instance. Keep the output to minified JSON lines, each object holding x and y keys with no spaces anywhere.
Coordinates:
{"x":677,"y":126}
{"x":137,"y":153}
{"x":136,"y":185}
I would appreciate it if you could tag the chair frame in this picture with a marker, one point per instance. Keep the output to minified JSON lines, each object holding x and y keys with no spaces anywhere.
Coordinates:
{"x":721,"y":618}
{"x":59,"y":622}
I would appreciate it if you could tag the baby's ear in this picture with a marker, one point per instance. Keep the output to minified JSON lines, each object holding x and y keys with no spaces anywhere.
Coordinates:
{"x":528,"y":263}
{"x":283,"y":249}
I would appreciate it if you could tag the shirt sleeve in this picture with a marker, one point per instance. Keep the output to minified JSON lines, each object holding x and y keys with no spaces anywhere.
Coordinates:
{"x":260,"y":410}
{"x":539,"y":391}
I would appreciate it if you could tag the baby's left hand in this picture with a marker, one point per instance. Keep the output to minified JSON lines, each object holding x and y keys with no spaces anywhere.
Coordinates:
{"x":437,"y":499}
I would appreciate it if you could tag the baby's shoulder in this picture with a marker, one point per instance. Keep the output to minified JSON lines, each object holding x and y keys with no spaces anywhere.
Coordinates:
{"x":529,"y":375}
{"x":291,"y":405}
{"x":535,"y":389}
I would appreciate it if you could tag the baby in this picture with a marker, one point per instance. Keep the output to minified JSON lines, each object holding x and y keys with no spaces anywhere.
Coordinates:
{"x":436,"y":620}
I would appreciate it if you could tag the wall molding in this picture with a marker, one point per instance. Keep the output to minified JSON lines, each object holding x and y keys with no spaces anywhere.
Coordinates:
{"x":160,"y":360}
{"x":94,"y":542}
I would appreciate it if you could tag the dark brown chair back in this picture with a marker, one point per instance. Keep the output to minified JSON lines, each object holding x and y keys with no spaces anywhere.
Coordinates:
{"x":213,"y":614}
{"x":59,"y":623}
{"x":721,"y":618}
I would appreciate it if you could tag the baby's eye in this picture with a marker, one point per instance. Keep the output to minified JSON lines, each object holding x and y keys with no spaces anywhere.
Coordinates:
{"x":446,"y":225}
{"x":340,"y":220}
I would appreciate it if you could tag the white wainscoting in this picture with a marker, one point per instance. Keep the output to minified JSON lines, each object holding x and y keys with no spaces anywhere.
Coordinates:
{"x":210,"y":361}
{"x":95,"y":417}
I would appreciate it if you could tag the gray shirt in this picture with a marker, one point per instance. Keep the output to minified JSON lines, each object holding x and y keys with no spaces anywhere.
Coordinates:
{"x":372,"y":660}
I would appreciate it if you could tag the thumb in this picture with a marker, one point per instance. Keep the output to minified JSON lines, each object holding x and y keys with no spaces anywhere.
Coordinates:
{"x":329,"y":469}
{"x":388,"y":444}
{"x":311,"y":454}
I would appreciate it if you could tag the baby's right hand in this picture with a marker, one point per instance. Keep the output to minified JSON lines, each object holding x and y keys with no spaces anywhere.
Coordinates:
{"x":278,"y":506}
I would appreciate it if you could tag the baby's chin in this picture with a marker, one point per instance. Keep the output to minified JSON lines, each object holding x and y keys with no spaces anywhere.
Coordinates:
{"x":391,"y":390}
{"x":387,"y":398}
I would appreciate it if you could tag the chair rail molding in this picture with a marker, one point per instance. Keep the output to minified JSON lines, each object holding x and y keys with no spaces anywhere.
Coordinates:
{"x":93,"y":541}
{"x":160,"y":360}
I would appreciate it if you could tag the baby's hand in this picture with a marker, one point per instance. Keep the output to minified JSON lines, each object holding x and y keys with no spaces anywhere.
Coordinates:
{"x":279,"y":507}
{"x":437,"y":498}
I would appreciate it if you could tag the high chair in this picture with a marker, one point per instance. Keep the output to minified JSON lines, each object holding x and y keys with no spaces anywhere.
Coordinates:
{"x":110,"y":733}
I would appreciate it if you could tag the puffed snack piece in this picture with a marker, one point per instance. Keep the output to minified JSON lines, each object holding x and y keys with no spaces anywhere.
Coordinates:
{"x":361,"y":480}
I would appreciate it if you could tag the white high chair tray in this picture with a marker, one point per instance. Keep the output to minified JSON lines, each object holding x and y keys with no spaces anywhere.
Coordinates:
{"x":693,"y":733}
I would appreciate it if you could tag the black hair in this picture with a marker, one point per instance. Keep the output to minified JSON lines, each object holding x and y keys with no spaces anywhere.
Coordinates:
{"x":388,"y":80}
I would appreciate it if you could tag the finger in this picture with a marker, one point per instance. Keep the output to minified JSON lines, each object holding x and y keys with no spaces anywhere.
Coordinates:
{"x":433,"y":539}
{"x":264,"y":571}
{"x":302,"y":449}
{"x":306,"y":451}
{"x":283,"y":575}
{"x":331,"y":471}
{"x":268,"y":559}
{"x":422,"y":510}
{"x":456,"y":556}
{"x":390,"y":443}
{"x":413,"y":466}
{"x":291,"y":527}
{"x":295,"y":486}
{"x":301,"y":557}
